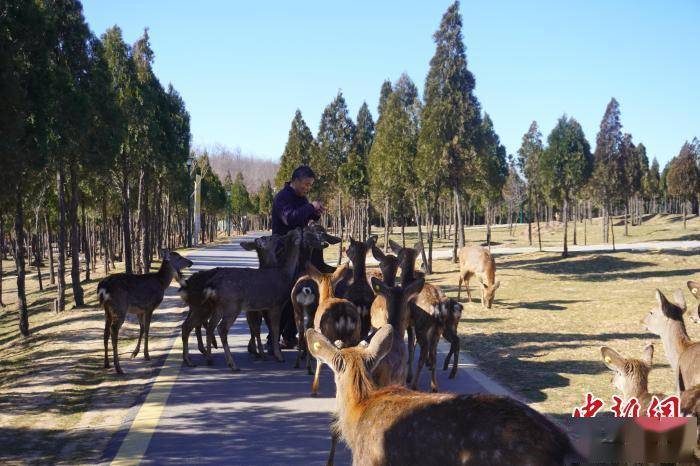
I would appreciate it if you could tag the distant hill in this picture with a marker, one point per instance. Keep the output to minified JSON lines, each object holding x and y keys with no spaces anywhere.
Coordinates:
{"x":255,"y":170}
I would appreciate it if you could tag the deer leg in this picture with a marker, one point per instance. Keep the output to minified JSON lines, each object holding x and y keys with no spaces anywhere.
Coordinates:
{"x":211,"y":326}
{"x":433,"y":363}
{"x":116,"y":324}
{"x":469,"y":293}
{"x":138,"y":343}
{"x":274,"y":316}
{"x":421,"y":361}
{"x":314,"y":385}
{"x":225,"y":324}
{"x":459,"y":288}
{"x":454,"y":348}
{"x":186,"y":329}
{"x":411,"y":352}
{"x":147,"y":326}
{"x":108,"y":322}
{"x":261,"y":348}
{"x":253,"y":319}
{"x":299,"y":319}
{"x":200,"y":342}
{"x":334,"y":441}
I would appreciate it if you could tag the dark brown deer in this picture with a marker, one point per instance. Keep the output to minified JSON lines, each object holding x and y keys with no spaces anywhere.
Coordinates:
{"x":395,"y":425}
{"x":235,"y":290}
{"x":359,"y":292}
{"x":304,"y":296}
{"x":666,"y":320}
{"x":121,"y":294}
{"x":475,"y":261}
{"x":336,"y":318}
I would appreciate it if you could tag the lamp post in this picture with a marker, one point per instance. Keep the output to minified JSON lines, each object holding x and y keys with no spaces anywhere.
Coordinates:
{"x":189,"y":206}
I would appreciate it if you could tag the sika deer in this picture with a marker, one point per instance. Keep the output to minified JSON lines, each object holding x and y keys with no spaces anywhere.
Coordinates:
{"x":395,"y":425}
{"x":234,"y":290}
{"x":336,"y":318}
{"x":388,"y":265}
{"x":430,"y":315}
{"x":121,"y":294}
{"x":694,"y":288}
{"x":632,"y":375}
{"x":304,"y":298}
{"x":359,"y":291}
{"x":478,"y":261}
{"x":666,"y":320}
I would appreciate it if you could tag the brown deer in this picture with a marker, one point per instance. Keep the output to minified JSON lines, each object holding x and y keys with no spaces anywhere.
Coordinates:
{"x":388,"y":266}
{"x":336,"y":318}
{"x":477,"y":261}
{"x":234,"y":290}
{"x":430,"y":315}
{"x":666,"y":320}
{"x":631,"y":376}
{"x":121,"y":294}
{"x":359,"y":292}
{"x":694,"y":288}
{"x":304,"y":298}
{"x":394,"y":425}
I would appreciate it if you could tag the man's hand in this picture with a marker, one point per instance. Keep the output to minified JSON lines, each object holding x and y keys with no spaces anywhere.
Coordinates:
{"x":318,"y":207}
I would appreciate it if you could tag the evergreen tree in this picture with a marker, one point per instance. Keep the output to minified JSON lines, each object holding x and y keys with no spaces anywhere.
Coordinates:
{"x":529,"y":162}
{"x":353,"y":173}
{"x":384,"y":94}
{"x":683,"y":178}
{"x":652,"y":182}
{"x":297,"y":151}
{"x":608,"y":169}
{"x":450,"y":118}
{"x":240,"y":199}
{"x":566,"y":165}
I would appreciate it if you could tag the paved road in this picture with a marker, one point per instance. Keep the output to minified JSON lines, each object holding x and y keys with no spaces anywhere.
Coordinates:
{"x":261,"y":415}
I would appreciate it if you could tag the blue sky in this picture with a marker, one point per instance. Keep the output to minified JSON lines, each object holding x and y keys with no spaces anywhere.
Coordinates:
{"x":243,"y":68}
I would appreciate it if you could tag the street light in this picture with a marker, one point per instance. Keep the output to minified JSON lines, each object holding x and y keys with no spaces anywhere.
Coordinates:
{"x":189,"y":205}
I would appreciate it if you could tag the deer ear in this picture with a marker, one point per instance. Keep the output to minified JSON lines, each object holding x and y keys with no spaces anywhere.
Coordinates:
{"x":679,"y":298}
{"x":372,"y":240}
{"x":330,"y":239}
{"x":378,"y":286}
{"x":395,"y":246}
{"x":612,"y":359}
{"x":165,"y":254}
{"x":496,"y":285}
{"x":248,"y":245}
{"x":648,"y":354}
{"x":321,"y":347}
{"x":414,"y":289}
{"x":694,"y":288}
{"x":377,"y":253}
{"x":379,"y":346}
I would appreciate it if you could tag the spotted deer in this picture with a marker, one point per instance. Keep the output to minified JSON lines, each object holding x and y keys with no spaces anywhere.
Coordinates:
{"x":121,"y":294}
{"x":475,"y":261}
{"x":394,"y":425}
{"x":666,"y":320}
{"x":336,"y":318}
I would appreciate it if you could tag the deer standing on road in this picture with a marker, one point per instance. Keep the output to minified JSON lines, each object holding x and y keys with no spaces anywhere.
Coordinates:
{"x":395,"y":425}
{"x":475,"y":261}
{"x":359,"y":292}
{"x":121,"y":294}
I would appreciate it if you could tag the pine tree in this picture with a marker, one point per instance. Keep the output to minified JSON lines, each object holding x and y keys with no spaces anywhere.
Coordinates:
{"x":297,"y":151}
{"x":384,"y":94}
{"x":683,"y":177}
{"x":450,"y":119}
{"x":566,"y":165}
{"x":529,"y":162}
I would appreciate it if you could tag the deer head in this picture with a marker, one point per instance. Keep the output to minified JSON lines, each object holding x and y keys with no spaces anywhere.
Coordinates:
{"x":694,"y":288}
{"x":388,"y":264}
{"x":631,"y":376}
{"x":657,"y":320}
{"x":489,"y":294}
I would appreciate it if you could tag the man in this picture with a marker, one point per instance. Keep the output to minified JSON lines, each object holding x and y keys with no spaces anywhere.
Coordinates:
{"x":291,"y":209}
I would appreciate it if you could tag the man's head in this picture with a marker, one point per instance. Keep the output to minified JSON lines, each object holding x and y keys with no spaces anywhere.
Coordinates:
{"x":302,"y":180}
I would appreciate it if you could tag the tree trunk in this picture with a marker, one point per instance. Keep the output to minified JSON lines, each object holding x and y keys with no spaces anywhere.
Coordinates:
{"x":2,"y":253}
{"x":19,"y":262}
{"x":575,"y":211}
{"x":61,"y":287}
{"x":455,"y":210}
{"x":75,"y":236}
{"x":565,"y":214}
{"x":685,"y":208}
{"x":627,"y":214}
{"x":612,"y":227}
{"x":86,"y":243}
{"x":104,"y":242}
{"x":146,"y":226}
{"x":386,"y":224}
{"x":537,"y":216}
{"x":487,"y":209}
{"x":340,"y":227}
{"x":420,"y":229}
{"x":126,"y":227}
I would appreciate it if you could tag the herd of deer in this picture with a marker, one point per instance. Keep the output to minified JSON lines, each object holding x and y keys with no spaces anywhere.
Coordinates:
{"x":355,"y":321}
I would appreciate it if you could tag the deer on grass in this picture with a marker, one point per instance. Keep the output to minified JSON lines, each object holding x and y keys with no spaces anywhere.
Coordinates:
{"x":394,"y":425}
{"x":236,"y":290}
{"x":477,"y":261}
{"x":666,"y":320}
{"x":121,"y":294}
{"x":631,"y":376}
{"x":336,"y":318}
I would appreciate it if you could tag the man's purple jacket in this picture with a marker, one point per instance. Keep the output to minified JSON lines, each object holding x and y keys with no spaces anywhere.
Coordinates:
{"x":290,"y":211}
